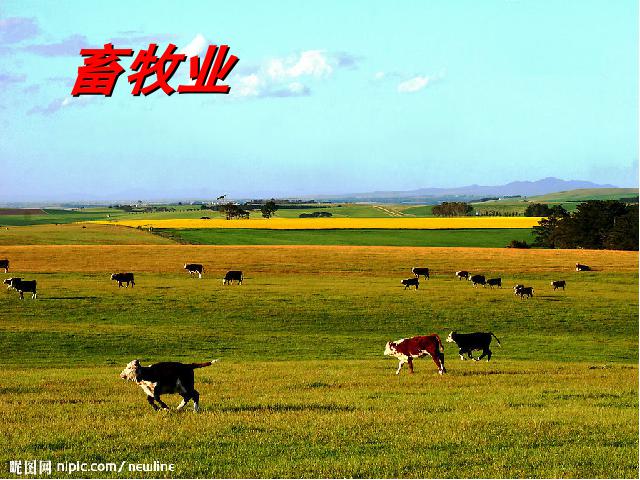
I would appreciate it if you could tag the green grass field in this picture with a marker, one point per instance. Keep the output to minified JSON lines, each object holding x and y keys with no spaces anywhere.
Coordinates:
{"x":496,"y":238}
{"x":303,"y":389}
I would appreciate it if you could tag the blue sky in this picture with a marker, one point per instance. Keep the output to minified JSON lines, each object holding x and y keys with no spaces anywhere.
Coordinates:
{"x":328,"y":97}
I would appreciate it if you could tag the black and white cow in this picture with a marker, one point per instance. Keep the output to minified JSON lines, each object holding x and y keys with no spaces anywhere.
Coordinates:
{"x":462,"y":274}
{"x":516,"y":288}
{"x":478,"y":280}
{"x":123,"y":278}
{"x":232,"y":275}
{"x":582,"y":268}
{"x":556,"y":284}
{"x":7,"y":282}
{"x":421,"y":271}
{"x":165,"y":377}
{"x":194,"y":268}
{"x":523,"y":291}
{"x":494,"y":282}
{"x":29,"y":286}
{"x":410,"y":282}
{"x":5,"y":265}
{"x":467,"y":342}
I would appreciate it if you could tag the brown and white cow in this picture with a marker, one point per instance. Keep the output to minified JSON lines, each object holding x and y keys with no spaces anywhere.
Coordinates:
{"x":406,"y":349}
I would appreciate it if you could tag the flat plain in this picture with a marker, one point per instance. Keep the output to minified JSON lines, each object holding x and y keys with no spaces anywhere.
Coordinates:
{"x":302,"y":389}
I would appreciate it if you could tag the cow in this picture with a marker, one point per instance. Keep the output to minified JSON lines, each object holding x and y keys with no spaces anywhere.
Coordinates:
{"x":582,"y":268}
{"x":516,"y":288}
{"x":556,"y":284}
{"x":467,"y":342}
{"x":477,"y":280}
{"x":494,"y":282}
{"x":22,"y":286}
{"x":5,"y":265}
{"x":406,"y":349}
{"x":165,"y":377}
{"x":194,"y":268}
{"x":122,"y":278}
{"x":409,"y":282}
{"x":524,"y":292}
{"x":7,"y":282}
{"x":462,"y":274}
{"x":232,"y":275}
{"x":424,"y":271}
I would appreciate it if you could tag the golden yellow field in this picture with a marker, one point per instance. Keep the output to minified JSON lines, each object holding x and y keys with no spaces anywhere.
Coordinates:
{"x":335,"y":223}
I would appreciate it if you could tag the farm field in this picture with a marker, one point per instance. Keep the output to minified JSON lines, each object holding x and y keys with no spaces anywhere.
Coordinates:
{"x":303,"y":389}
{"x":336,"y":223}
{"x":77,"y":234}
{"x":495,"y":238}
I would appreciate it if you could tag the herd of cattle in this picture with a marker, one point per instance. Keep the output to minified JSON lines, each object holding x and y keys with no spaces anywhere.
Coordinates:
{"x":518,"y":290}
{"x":405,"y":349}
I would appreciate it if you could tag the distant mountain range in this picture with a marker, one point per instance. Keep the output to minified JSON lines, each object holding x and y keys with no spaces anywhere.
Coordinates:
{"x":427,"y":195}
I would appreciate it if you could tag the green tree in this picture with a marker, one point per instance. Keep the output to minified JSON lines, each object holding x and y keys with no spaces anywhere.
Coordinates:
{"x":269,"y":208}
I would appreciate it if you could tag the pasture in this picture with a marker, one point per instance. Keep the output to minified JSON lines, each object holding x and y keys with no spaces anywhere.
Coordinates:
{"x":303,"y":389}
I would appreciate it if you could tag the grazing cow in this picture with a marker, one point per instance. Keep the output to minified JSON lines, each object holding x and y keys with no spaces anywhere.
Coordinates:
{"x":582,"y":268}
{"x":424,"y":271}
{"x":122,"y":278}
{"x":494,"y":282}
{"x":407,"y":348}
{"x":408,"y":282}
{"x":473,"y":341}
{"x":516,"y":288}
{"x":232,"y":275}
{"x":5,"y":264}
{"x":524,"y":292}
{"x":194,"y":268}
{"x":556,"y":284}
{"x":462,"y":274}
{"x":477,"y":280}
{"x":7,"y":282}
{"x":22,"y":286}
{"x":165,"y":377}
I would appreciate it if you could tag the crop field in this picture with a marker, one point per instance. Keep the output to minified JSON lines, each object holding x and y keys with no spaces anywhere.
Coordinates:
{"x":336,"y":223}
{"x":495,"y":238}
{"x":303,"y":388}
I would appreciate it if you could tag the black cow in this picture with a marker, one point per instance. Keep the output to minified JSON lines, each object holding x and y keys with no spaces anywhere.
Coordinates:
{"x":494,"y":282}
{"x":516,"y":288}
{"x":410,"y":282}
{"x":5,"y":264}
{"x":193,"y":268}
{"x":424,"y":271}
{"x":232,"y":275}
{"x":582,"y":268}
{"x":165,"y":377}
{"x":478,"y":280}
{"x":473,"y":341}
{"x":22,"y":286}
{"x":462,"y":274}
{"x":556,"y":284}
{"x":122,"y":278}
{"x":523,"y":291}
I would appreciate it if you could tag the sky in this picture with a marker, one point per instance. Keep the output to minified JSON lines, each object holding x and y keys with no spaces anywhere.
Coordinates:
{"x":327,"y":97}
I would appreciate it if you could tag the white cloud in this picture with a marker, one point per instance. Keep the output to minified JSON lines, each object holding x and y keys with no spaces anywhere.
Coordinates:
{"x":195,"y":47}
{"x":247,"y":86}
{"x":414,"y":84}
{"x":378,"y":75}
{"x":314,"y":63}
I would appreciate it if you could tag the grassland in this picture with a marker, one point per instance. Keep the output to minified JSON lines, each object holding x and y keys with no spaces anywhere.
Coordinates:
{"x":337,"y":223}
{"x":77,"y":234}
{"x":303,"y":389}
{"x":583,"y":194}
{"x":495,"y":238}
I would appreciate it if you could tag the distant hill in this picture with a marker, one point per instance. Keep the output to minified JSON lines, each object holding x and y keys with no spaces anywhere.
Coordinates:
{"x":583,"y":194}
{"x":469,"y":192}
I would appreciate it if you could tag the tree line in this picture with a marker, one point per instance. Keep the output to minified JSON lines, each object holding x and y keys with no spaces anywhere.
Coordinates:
{"x":595,"y":224}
